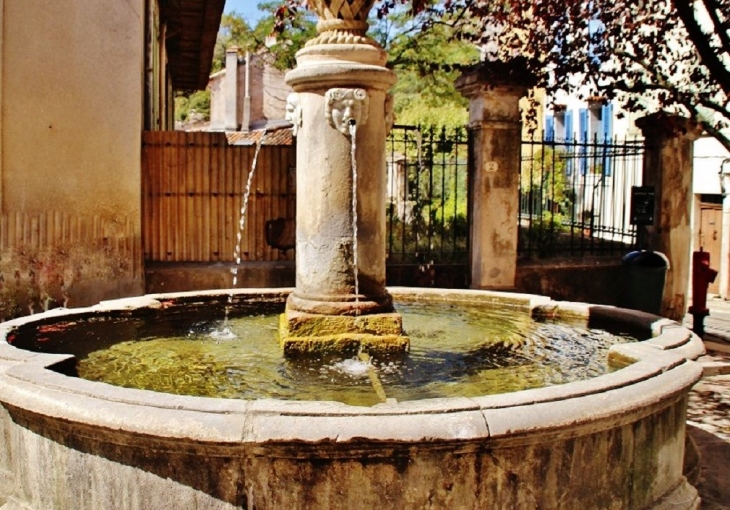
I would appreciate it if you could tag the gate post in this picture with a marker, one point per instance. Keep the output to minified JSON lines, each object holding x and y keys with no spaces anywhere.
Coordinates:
{"x":668,"y":151}
{"x":494,"y":90}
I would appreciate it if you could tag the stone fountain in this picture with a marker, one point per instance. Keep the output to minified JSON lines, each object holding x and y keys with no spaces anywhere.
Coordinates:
{"x":614,"y":441}
{"x":340,"y":102}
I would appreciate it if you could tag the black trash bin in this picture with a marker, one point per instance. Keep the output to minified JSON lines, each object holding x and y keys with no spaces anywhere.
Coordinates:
{"x":645,"y":272}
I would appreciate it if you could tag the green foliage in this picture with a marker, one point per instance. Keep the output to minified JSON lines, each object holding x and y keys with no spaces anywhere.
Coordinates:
{"x":548,"y":197}
{"x":427,"y":60}
{"x":544,"y":174}
{"x":187,"y":105}
{"x":295,"y":32}
{"x":234,"y":31}
{"x":281,"y":48}
{"x":427,"y":219}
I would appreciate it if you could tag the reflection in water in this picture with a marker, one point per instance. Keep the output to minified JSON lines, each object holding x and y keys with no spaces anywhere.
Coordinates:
{"x":455,"y":351}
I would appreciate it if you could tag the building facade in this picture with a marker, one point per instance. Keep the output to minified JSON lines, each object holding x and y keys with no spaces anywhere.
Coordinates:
{"x":79,"y":82}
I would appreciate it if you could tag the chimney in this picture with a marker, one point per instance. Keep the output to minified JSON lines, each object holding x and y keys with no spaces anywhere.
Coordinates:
{"x":230,"y":90}
{"x":246,"y":124}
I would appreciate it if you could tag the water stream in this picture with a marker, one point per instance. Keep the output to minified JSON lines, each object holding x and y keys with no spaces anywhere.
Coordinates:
{"x":225,"y":332}
{"x":353,"y":163}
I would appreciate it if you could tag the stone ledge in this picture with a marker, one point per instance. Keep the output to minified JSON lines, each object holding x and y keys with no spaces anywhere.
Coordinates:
{"x":302,"y":333}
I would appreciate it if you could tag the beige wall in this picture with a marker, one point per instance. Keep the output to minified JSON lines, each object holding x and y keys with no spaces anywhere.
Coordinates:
{"x":72,"y":95}
{"x":72,"y":105}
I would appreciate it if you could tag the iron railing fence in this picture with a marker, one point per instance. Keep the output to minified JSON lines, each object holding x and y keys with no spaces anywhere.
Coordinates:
{"x":575,"y":196}
{"x":427,"y":194}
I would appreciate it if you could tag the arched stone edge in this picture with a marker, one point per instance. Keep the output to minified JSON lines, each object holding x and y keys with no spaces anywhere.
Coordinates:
{"x":656,"y":375}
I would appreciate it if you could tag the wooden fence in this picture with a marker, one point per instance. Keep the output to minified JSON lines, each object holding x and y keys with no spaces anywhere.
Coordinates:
{"x":193,"y":186}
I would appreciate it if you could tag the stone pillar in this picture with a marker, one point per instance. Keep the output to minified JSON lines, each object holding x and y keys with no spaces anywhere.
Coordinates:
{"x":334,"y":91}
{"x":494,"y":90}
{"x":230,"y":90}
{"x":339,"y":105}
{"x":668,"y":167}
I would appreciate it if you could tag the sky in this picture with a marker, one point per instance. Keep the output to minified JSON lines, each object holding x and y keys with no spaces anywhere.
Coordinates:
{"x":246,"y":8}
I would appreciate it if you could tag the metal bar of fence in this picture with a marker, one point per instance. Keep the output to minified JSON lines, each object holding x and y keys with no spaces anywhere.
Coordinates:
{"x":573,"y":196}
{"x":425,"y":174}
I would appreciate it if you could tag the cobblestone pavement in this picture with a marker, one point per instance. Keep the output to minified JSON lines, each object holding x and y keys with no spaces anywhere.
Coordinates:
{"x":708,"y":413}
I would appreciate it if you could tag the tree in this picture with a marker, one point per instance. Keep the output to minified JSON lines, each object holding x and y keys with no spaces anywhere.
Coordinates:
{"x":298,"y":28}
{"x":650,"y":54}
{"x":186,"y":106}
{"x":653,"y":54}
{"x":427,"y":59}
{"x":235,"y":31}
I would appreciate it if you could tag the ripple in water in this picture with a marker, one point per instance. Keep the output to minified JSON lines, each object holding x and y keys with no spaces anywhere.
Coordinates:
{"x":455,"y":351}
{"x":222,"y":334}
{"x":353,"y":367}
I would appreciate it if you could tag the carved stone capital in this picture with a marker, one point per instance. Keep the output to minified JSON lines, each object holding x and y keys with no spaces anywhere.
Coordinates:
{"x":346,"y":107}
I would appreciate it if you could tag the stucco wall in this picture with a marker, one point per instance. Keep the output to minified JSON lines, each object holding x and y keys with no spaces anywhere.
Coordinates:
{"x":72,"y":103}
{"x":708,"y":157}
{"x":217,"y":101}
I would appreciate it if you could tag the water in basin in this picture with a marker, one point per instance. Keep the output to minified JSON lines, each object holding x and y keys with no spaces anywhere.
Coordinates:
{"x":455,"y":351}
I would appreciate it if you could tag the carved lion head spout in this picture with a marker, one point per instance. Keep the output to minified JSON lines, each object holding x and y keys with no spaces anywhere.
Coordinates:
{"x":294,"y":112}
{"x":346,"y":107}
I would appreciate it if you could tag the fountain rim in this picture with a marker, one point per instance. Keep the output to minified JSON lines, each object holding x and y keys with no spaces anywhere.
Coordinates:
{"x":659,"y":373}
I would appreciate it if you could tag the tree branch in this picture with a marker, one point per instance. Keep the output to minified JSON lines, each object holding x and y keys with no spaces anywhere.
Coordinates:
{"x":710,"y":128}
{"x":701,"y":42}
{"x":712,"y":8}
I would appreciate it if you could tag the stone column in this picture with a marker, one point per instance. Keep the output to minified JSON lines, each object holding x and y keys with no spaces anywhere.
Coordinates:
{"x":668,"y":167}
{"x":230,"y":90}
{"x":339,"y":106}
{"x":494,"y":90}
{"x":336,"y":87}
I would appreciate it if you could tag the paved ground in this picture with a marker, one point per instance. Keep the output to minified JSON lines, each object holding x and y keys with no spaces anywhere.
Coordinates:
{"x":708,"y":415}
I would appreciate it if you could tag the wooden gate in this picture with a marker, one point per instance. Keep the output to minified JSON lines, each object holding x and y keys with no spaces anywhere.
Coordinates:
{"x":192,"y":193}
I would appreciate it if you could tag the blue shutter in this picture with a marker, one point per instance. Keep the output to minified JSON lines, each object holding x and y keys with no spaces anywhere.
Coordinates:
{"x":607,"y":121}
{"x":549,"y":128}
{"x":583,"y":137}
{"x":569,"y":126}
{"x":569,"y":137}
{"x":607,"y":128}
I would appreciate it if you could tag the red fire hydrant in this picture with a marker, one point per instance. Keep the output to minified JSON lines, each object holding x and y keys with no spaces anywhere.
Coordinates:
{"x":702,"y":277}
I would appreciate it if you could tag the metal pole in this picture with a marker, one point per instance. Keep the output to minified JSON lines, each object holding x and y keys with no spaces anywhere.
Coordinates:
{"x":725,"y":239}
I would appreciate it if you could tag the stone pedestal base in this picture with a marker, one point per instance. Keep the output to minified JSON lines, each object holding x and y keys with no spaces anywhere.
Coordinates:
{"x":306,"y":333}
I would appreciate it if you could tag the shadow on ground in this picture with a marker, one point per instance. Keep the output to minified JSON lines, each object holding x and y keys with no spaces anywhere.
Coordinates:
{"x":714,"y":482}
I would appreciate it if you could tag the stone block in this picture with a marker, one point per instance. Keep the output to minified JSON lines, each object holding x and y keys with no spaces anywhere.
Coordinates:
{"x":305,"y":333}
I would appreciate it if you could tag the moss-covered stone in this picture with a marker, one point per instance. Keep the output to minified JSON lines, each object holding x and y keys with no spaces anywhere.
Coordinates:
{"x":303,"y":333}
{"x":302,"y":324}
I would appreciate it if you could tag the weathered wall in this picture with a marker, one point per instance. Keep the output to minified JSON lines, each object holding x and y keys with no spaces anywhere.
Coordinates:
{"x":72,"y":100}
{"x":275,"y":92}
{"x":668,"y":167}
{"x":268,"y":92}
{"x":217,"y":101}
{"x":599,"y":281}
{"x":494,"y":91}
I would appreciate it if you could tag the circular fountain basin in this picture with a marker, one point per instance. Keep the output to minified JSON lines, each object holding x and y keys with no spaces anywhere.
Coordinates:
{"x":614,"y":441}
